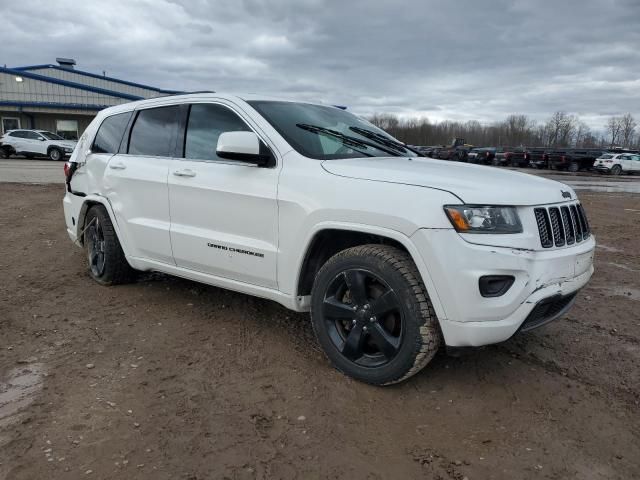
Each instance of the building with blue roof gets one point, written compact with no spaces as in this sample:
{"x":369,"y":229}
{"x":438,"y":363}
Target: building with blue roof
{"x":61,"y":99}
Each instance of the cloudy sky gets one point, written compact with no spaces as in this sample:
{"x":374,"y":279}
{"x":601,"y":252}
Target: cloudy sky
{"x":455,"y":59}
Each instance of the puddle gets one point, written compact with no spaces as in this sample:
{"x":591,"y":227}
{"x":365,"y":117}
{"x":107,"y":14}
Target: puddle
{"x":627,"y":292}
{"x":608,"y":187}
{"x":623,"y":267}
{"x":18,"y":390}
{"x":607,"y":248}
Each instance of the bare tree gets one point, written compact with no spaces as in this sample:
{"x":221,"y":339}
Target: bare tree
{"x":614,"y":128}
{"x":627,"y":129}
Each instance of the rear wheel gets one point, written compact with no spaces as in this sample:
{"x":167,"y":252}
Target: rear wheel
{"x":573,"y":167}
{"x":616,"y":170}
{"x":6,"y":152}
{"x":107,"y":263}
{"x":372,"y":315}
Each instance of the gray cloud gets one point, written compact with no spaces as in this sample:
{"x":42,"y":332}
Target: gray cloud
{"x":441,"y":59}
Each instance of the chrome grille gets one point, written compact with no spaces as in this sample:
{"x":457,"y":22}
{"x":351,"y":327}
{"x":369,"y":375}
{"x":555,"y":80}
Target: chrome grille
{"x":561,"y":226}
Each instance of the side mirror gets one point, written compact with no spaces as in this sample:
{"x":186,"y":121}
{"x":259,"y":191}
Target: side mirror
{"x":244,"y":146}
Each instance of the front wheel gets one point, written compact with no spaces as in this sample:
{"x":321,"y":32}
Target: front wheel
{"x":372,"y":315}
{"x":616,"y":170}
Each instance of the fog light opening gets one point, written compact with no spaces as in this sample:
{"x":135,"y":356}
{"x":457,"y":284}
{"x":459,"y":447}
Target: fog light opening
{"x":495,"y":285}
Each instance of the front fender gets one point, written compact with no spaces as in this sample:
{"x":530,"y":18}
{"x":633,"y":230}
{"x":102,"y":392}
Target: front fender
{"x":401,"y":238}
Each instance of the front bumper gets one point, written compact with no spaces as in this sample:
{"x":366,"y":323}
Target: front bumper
{"x":455,"y":266}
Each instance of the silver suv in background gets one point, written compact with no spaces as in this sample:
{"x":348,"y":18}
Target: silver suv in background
{"x":35,"y":143}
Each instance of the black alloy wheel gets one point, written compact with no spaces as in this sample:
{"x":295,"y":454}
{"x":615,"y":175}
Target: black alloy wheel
{"x":363,"y":318}
{"x":95,"y":247}
{"x":372,"y":315}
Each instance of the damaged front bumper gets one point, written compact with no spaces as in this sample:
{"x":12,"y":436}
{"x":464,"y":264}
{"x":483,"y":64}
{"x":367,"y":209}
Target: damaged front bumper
{"x":550,"y":277}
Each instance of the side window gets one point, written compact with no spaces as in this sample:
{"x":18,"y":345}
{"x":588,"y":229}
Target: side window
{"x":110,"y":133}
{"x":206,"y":123}
{"x":153,"y":132}
{"x":17,"y":134}
{"x":31,"y":135}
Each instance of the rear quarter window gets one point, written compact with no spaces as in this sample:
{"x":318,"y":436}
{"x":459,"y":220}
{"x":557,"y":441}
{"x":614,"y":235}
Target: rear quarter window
{"x":110,"y":133}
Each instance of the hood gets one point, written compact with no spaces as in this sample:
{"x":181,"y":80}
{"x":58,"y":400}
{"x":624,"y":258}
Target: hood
{"x":473,"y":184}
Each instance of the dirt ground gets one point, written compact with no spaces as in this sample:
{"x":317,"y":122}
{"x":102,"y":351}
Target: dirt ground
{"x":170,"y":379}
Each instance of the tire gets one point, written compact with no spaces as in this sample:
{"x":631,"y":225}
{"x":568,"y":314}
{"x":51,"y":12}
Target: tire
{"x":573,"y":167}
{"x":6,"y":152}
{"x":106,"y":261}
{"x":55,"y":154}
{"x":495,"y":162}
{"x":616,"y":170}
{"x":383,"y":332}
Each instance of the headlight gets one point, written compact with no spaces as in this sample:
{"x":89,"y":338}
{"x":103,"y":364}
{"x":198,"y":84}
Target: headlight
{"x":483,"y":219}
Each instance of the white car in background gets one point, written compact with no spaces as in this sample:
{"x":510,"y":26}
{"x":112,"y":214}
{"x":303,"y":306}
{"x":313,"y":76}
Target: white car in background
{"x":35,"y":143}
{"x":617,"y":163}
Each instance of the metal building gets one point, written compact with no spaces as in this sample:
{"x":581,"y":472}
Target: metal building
{"x":61,"y":99}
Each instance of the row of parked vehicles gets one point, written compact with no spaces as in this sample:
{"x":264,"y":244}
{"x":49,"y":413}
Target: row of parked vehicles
{"x":614,"y":161}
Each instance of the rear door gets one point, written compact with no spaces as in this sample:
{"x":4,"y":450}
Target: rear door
{"x":625,"y":162}
{"x":634,"y":163}
{"x":223,"y":212}
{"x":33,"y":142}
{"x":135,"y":183}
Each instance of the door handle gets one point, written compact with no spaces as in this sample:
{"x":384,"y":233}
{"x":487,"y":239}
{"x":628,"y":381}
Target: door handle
{"x":184,"y":173}
{"x":117,"y":166}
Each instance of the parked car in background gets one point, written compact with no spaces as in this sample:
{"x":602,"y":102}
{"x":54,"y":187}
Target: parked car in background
{"x":618,"y":163}
{"x":510,"y":156}
{"x":34,"y":143}
{"x":537,"y":157}
{"x":483,"y":155}
{"x":457,"y":150}
{"x":573,"y":159}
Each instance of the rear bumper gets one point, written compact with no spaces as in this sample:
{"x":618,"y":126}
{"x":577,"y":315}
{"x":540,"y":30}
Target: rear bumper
{"x":468,"y":318}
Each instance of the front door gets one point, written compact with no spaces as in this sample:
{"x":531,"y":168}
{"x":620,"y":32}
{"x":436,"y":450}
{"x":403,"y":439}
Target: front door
{"x":136,"y":183}
{"x":223,"y":212}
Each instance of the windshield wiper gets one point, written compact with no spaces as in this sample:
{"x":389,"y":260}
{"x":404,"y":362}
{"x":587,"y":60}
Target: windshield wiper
{"x":346,"y":139}
{"x":378,"y":137}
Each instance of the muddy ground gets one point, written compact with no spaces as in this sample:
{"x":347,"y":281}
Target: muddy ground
{"x":170,"y":379}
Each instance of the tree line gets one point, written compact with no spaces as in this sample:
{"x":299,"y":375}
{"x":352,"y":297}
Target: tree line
{"x":560,"y":130}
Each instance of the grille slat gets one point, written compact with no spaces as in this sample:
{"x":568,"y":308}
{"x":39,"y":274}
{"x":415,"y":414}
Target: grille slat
{"x":542,"y":219}
{"x":562,"y":226}
{"x":570,"y":233}
{"x":583,"y":220}
{"x":556,"y":227}
{"x":576,"y":223}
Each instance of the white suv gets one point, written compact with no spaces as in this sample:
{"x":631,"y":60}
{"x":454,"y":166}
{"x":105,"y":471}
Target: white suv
{"x":618,"y":163}
{"x":32,"y":143}
{"x":313,"y":207}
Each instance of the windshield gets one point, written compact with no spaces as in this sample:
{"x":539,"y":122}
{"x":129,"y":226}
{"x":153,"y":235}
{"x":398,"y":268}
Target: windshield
{"x":607,"y":156}
{"x":50,"y":136}
{"x":327,"y":133}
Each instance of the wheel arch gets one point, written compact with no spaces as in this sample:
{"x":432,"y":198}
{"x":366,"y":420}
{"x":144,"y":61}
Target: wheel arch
{"x":328,"y":239}
{"x":90,"y":201}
